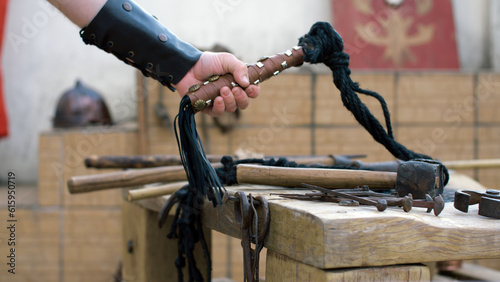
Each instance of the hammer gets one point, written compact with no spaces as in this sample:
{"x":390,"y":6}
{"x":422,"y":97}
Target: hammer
{"x":415,"y":177}
{"x":412,"y":177}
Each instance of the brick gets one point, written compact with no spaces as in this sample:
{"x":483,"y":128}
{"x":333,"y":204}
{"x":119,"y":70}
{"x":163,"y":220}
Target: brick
{"x":349,"y":140}
{"x":79,"y":145}
{"x":50,"y":164}
{"x":487,"y":88}
{"x":286,"y":93}
{"x":37,"y":246}
{"x":273,"y":140}
{"x":435,"y":98}
{"x":92,"y":244}
{"x":162,"y":141}
{"x":489,"y":148}
{"x":439,"y":142}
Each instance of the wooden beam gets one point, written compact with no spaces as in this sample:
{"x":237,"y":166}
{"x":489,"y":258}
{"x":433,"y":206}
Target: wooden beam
{"x":147,"y":254}
{"x":142,"y":115}
{"x":292,"y":270}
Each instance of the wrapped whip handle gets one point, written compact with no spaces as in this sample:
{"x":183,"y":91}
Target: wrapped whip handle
{"x":264,"y":68}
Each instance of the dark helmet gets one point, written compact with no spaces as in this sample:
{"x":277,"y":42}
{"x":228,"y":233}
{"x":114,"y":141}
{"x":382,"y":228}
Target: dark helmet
{"x":81,"y":106}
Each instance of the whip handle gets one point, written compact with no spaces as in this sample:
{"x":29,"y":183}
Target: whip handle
{"x":263,"y":69}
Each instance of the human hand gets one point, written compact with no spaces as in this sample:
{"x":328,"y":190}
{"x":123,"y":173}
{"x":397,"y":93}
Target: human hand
{"x":221,"y":63}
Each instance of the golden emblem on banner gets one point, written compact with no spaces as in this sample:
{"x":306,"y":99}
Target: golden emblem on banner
{"x":390,"y":29}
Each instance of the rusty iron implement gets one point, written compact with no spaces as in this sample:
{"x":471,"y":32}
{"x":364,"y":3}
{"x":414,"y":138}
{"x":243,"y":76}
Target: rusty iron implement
{"x":489,"y":202}
{"x":245,"y":210}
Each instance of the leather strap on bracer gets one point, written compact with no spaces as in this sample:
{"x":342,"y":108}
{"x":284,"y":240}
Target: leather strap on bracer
{"x":136,"y":37}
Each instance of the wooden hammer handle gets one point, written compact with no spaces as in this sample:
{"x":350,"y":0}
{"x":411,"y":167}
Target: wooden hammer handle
{"x":326,"y":178}
{"x":153,"y":192}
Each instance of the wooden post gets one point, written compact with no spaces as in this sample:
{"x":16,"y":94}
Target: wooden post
{"x":142,"y":120}
{"x":148,"y":255}
{"x":292,"y":270}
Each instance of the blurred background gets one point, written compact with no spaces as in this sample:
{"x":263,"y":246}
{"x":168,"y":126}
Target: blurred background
{"x":43,"y":54}
{"x":435,"y":62}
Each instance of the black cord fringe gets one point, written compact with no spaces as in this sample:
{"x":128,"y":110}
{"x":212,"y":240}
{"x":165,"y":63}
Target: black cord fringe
{"x":203,"y":181}
{"x":200,"y":174}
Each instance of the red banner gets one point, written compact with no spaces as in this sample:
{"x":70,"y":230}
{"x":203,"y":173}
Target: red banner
{"x":397,"y":34}
{"x":4,"y":130}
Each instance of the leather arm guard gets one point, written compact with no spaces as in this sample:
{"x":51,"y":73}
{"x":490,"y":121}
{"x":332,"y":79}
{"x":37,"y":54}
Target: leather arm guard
{"x":136,"y":37}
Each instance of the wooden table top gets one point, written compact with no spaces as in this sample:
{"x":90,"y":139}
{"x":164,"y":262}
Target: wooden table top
{"x":327,"y":235}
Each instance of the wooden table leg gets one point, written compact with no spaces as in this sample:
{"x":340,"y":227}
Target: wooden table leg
{"x":148,"y":255}
{"x":283,"y":268}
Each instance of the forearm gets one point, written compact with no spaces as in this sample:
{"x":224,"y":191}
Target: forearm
{"x":81,"y":12}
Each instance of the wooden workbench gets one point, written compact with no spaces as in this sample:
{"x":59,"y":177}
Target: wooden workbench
{"x":312,"y":241}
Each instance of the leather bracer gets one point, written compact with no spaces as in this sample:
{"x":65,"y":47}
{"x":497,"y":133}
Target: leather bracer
{"x":136,"y":37}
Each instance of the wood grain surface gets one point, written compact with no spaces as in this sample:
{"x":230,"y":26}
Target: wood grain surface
{"x":326,"y":235}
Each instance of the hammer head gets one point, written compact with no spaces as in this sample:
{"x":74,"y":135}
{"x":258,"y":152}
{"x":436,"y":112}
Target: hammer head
{"x":420,"y":178}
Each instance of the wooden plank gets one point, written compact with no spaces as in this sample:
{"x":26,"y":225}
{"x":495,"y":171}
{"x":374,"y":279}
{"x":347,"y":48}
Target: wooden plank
{"x":227,"y":258}
{"x":326,"y":235}
{"x":446,"y":143}
{"x":292,"y":270}
{"x":215,"y":142}
{"x":171,"y":101}
{"x":99,"y":142}
{"x":50,"y":172}
{"x":142,"y":110}
{"x":153,"y":255}
{"x":37,"y":246}
{"x":275,"y":139}
{"x":487,"y":147}
{"x":488,"y":101}
{"x":288,"y":94}
{"x":91,"y":242}
{"x":350,"y":140}
{"x":162,"y":141}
